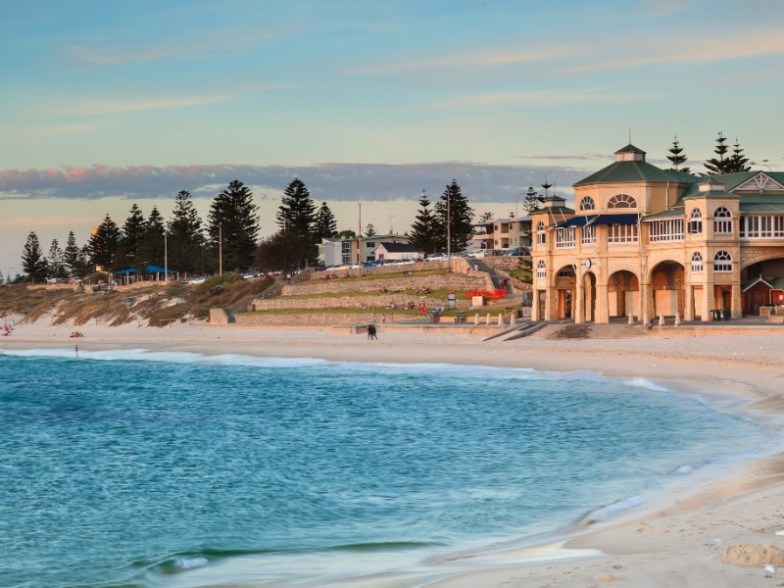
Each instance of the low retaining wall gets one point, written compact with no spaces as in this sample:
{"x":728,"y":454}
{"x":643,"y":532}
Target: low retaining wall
{"x":450,"y":281}
{"x":358,"y":302}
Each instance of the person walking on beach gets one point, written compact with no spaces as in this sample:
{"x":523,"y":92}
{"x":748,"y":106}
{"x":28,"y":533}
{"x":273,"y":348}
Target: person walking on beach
{"x":372,"y":332}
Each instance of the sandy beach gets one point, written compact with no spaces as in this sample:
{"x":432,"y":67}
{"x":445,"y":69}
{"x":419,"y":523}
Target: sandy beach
{"x":683,"y":539}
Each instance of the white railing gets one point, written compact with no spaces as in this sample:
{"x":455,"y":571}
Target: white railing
{"x":666,"y":230}
{"x":762,"y":227}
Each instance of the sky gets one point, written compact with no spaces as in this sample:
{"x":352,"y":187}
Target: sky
{"x":368,"y":102}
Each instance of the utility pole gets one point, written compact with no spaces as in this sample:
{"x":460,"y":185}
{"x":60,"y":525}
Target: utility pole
{"x":220,"y":250}
{"x":165,"y":258}
{"x":449,"y":225}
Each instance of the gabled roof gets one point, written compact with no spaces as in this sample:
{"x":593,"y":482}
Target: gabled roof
{"x":711,"y":195}
{"x":399,"y":247}
{"x":634,"y":171}
{"x":772,"y":283}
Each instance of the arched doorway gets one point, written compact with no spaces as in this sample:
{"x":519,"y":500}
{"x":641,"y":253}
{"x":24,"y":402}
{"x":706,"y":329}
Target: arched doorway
{"x":565,"y":282}
{"x":667,"y":287}
{"x":762,"y":284}
{"x":623,"y":294}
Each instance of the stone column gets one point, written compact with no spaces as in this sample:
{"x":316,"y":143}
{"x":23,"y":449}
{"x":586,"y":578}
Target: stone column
{"x":707,"y":299}
{"x":602,"y":306}
{"x":646,"y":302}
{"x":535,"y":306}
{"x":737,"y":309}
{"x":688,"y":305}
{"x":578,"y":304}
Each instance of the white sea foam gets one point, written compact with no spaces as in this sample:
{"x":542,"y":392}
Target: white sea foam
{"x":190,"y":563}
{"x":611,"y":510}
{"x":182,"y":357}
{"x":645,"y":383}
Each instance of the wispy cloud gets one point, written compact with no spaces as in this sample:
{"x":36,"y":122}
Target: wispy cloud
{"x":470,"y":60}
{"x":522,"y":97}
{"x":670,"y":7}
{"x":59,"y":130}
{"x":714,"y":47}
{"x":112,"y":53}
{"x":139,"y":104}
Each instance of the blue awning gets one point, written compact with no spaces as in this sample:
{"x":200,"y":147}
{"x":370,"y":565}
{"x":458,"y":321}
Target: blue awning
{"x":577,"y":221}
{"x":156,"y":269}
{"x":616,"y":219}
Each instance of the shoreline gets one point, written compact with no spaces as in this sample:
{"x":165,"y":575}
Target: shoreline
{"x":671,"y":543}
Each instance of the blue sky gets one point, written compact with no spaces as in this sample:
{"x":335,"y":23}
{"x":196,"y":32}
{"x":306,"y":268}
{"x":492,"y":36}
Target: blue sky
{"x":104,"y":104}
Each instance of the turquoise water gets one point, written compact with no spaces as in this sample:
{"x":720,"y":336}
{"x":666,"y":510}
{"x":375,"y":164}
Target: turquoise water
{"x":126,"y":468}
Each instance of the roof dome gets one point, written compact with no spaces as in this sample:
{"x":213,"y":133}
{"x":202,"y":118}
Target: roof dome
{"x":630,"y":153}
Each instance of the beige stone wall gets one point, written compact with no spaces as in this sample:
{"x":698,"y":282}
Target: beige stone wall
{"x":326,"y":318}
{"x":219,"y":316}
{"x":451,"y":281}
{"x":359,"y":302}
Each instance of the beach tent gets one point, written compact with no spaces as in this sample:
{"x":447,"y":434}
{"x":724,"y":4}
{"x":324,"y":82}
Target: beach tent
{"x":156,"y":269}
{"x":148,"y":269}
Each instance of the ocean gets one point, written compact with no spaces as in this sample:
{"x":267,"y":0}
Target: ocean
{"x":174,"y":470}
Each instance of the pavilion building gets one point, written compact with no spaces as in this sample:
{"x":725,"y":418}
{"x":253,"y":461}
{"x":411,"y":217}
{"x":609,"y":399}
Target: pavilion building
{"x":644,"y":242}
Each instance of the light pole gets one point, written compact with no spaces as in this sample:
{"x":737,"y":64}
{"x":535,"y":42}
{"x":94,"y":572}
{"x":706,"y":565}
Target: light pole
{"x":220,"y":250}
{"x":165,"y":259}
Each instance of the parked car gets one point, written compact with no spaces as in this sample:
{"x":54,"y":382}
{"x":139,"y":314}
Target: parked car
{"x":485,"y":253}
{"x":517,"y":251}
{"x":436,"y":257}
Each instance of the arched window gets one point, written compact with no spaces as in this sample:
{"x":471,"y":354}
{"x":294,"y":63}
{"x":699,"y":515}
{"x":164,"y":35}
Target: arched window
{"x":541,"y":233}
{"x":541,"y":269}
{"x":695,"y":221}
{"x":586,"y":203}
{"x":696,"y":262}
{"x":722,"y":262}
{"x":622,"y":201}
{"x":722,"y":221}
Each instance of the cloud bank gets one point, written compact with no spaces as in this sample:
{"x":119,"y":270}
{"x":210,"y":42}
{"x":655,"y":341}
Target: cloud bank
{"x":328,"y":182}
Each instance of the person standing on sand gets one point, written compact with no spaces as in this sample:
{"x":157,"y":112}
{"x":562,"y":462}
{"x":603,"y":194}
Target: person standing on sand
{"x":372,"y":333}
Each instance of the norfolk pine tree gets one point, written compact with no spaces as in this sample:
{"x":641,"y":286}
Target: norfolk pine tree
{"x":296,"y":217}
{"x":104,"y":243}
{"x":33,"y":260}
{"x":131,"y":240}
{"x":325,"y":226}
{"x":424,"y":232}
{"x":453,"y":209}
{"x":186,"y":242}
{"x":233,"y":218}
{"x":718,"y":165}
{"x":677,"y":157}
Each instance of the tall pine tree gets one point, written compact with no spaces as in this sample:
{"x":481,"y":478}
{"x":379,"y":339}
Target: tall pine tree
{"x":131,"y":240}
{"x":454,"y":217}
{"x":152,"y":246}
{"x":324,"y":226}
{"x":737,"y":161}
{"x":296,"y":217}
{"x":56,"y":261}
{"x":186,"y":241}
{"x":532,"y":201}
{"x":425,"y":230}
{"x":233,"y":227}
{"x":718,"y":165}
{"x":104,"y":244}
{"x":71,"y":256}
{"x":677,"y":157}
{"x":33,"y":260}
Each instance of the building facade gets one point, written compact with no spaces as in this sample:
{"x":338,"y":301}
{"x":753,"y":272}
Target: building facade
{"x":353,"y":250}
{"x":643,"y":242}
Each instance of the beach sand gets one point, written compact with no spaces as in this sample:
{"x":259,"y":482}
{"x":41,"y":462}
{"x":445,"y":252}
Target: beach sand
{"x":678,"y":541}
